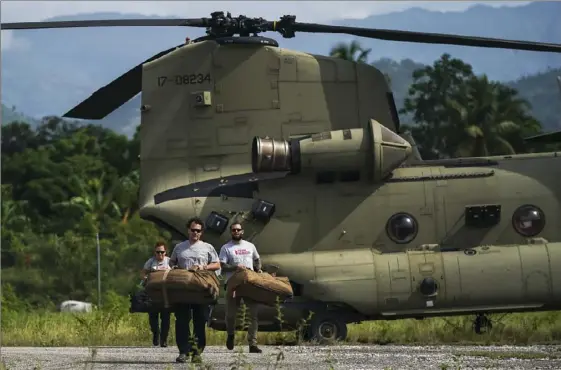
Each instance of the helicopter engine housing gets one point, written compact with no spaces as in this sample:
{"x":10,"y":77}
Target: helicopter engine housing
{"x":375,"y":147}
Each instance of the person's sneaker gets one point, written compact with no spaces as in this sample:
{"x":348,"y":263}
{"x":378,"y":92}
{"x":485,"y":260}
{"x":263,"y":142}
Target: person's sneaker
{"x":255,"y":349}
{"x":230,"y":341}
{"x":155,"y":340}
{"x":181,"y":358}
{"x":196,"y":359}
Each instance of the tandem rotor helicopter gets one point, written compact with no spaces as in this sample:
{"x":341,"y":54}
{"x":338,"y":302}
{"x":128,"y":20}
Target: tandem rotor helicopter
{"x":306,"y":151}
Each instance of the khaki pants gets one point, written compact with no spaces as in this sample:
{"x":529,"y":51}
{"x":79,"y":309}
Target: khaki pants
{"x":252,"y":310}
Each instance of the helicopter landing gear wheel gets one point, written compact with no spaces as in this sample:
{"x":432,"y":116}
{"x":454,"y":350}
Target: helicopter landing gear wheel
{"x":324,"y":329}
{"x":482,"y":324}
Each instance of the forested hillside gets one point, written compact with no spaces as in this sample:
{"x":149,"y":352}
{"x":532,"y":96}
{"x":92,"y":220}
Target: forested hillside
{"x":540,"y":90}
{"x":544,"y":94}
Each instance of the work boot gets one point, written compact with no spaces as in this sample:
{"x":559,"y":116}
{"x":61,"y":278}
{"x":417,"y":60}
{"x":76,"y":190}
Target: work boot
{"x":254,"y":349}
{"x":230,"y":341}
{"x":155,"y":340}
{"x":181,"y":358}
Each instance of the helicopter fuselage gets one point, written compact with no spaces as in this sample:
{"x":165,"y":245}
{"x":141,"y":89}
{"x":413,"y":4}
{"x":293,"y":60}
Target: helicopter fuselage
{"x":364,"y":228}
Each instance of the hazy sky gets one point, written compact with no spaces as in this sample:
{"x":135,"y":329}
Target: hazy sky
{"x":310,"y":11}
{"x":305,"y":11}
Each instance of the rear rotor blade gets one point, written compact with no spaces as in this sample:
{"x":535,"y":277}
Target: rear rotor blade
{"x":103,"y":23}
{"x":113,"y":95}
{"x":428,"y":38}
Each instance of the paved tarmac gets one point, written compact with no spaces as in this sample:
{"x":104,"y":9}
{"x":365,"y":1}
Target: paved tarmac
{"x":297,"y":357}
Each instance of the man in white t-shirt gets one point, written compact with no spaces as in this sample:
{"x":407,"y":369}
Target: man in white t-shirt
{"x":158,"y":262}
{"x":236,"y":255}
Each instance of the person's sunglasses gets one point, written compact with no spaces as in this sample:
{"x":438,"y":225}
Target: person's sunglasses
{"x":196,"y":230}
{"x":236,"y":230}
{"x":161,"y":252}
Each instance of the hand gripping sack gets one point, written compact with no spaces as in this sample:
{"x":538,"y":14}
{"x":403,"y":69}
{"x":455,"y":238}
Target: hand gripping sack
{"x":259,"y":287}
{"x":175,"y":286}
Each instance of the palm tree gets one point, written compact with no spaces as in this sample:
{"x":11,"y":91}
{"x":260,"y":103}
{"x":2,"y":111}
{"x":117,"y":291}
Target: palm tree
{"x":93,"y":198}
{"x":349,"y":52}
{"x":482,"y":118}
{"x":355,"y":53}
{"x":129,"y":194}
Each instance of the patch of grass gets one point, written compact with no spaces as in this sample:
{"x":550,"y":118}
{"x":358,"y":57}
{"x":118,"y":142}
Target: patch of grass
{"x":520,"y":355}
{"x":513,"y":329}
{"x":116,"y":327}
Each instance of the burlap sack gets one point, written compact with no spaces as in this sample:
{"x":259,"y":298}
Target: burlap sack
{"x":171,"y":287}
{"x":259,"y":287}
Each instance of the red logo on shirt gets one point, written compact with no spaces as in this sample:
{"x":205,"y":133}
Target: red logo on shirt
{"x":239,"y":252}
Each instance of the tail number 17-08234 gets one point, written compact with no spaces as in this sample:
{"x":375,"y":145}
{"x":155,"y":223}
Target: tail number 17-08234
{"x":189,"y":79}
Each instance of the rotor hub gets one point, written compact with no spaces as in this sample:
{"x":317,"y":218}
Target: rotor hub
{"x":224,"y":25}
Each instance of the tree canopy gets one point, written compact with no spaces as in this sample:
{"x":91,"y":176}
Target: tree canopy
{"x":456,"y":113}
{"x":63,"y":183}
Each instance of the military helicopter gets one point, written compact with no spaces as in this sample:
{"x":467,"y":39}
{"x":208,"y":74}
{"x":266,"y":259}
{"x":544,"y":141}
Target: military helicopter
{"x":306,"y":151}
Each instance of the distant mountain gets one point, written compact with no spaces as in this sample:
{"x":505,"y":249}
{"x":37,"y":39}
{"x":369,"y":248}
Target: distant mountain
{"x":542,"y":91}
{"x":47,"y":72}
{"x":537,"y":21}
{"x":11,"y":114}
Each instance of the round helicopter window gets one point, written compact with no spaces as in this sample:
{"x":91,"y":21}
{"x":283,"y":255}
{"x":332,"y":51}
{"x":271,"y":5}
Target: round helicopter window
{"x":528,"y":220}
{"x":402,"y":228}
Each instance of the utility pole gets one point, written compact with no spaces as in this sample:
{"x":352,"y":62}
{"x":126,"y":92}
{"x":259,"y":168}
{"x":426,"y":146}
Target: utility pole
{"x":98,"y":271}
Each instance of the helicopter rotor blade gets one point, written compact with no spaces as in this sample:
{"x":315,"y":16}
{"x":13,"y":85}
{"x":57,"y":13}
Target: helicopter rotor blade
{"x":548,"y":138}
{"x":103,"y":23}
{"x":220,"y":25}
{"x":124,"y":88}
{"x":427,"y":38}
{"x":113,"y":95}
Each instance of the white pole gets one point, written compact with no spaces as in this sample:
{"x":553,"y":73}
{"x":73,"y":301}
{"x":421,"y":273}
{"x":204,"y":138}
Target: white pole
{"x":98,"y":271}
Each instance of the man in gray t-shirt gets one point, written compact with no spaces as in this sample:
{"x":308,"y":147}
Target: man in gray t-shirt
{"x":236,"y":255}
{"x":194,"y":255}
{"x":198,"y":255}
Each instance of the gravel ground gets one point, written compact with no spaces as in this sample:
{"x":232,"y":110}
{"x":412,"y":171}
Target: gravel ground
{"x":307,"y":357}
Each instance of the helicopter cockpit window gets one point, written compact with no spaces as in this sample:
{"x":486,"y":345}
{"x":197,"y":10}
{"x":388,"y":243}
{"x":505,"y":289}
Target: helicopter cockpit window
{"x":402,"y":228}
{"x":528,"y":220}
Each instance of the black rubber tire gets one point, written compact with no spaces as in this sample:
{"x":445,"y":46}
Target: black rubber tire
{"x":327,"y":328}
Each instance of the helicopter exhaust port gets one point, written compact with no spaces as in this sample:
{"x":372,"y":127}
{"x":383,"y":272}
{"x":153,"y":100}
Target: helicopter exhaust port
{"x":376,"y":148}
